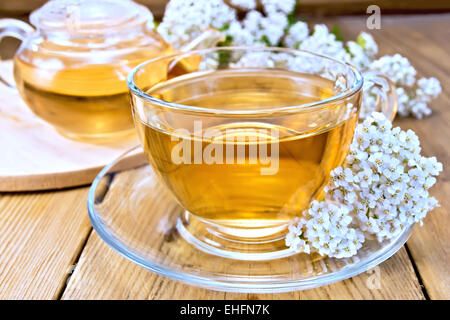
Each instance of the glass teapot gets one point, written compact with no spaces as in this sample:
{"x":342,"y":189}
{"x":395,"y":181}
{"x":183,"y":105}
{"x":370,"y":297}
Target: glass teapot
{"x":71,"y":70}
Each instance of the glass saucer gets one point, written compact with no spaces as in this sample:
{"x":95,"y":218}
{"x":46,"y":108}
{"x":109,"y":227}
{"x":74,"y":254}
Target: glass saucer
{"x":134,"y":213}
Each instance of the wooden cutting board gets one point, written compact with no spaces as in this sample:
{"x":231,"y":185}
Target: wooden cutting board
{"x":33,"y":156}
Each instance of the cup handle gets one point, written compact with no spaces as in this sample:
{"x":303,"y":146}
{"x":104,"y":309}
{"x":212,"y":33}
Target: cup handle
{"x":16,"y":29}
{"x":385,"y":91}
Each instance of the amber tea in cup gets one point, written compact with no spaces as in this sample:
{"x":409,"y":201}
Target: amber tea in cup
{"x":239,"y":192}
{"x":246,"y":140}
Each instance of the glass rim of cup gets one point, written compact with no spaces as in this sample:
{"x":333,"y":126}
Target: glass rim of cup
{"x":307,"y":107}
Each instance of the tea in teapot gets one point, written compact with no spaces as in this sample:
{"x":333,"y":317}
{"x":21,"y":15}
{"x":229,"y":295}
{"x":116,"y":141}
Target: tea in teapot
{"x":71,"y":71}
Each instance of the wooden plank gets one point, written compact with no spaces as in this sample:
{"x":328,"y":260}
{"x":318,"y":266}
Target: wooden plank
{"x":103,"y":274}
{"x":430,"y":245}
{"x":341,"y":7}
{"x":318,"y":7}
{"x":422,"y":40}
{"x":41,"y":235}
{"x":401,"y":281}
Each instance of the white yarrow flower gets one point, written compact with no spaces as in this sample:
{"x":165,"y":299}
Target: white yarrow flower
{"x":429,"y":88}
{"x":395,"y":176}
{"x":382,"y":188}
{"x":244,"y":4}
{"x":397,"y":68}
{"x":327,"y":230}
{"x":185,"y":19}
{"x":380,"y":193}
{"x":297,"y":33}
{"x":323,"y":42}
{"x":273,"y":6}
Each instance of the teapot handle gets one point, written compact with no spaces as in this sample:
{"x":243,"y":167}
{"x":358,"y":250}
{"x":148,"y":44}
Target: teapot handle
{"x":16,"y":29}
{"x":207,"y":39}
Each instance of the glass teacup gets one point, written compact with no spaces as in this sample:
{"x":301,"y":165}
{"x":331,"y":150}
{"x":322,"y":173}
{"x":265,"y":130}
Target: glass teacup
{"x":246,"y":138}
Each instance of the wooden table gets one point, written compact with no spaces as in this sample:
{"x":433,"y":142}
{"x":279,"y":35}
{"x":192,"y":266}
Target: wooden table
{"x":48,"y":249}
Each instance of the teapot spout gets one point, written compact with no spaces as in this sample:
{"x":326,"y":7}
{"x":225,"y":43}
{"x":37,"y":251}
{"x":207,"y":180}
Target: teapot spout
{"x":207,"y":39}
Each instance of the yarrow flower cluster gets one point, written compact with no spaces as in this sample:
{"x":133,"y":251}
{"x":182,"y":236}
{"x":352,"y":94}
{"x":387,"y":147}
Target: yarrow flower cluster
{"x":323,"y":42}
{"x":244,"y":4}
{"x":185,"y":19}
{"x":414,"y":95}
{"x":327,"y":229}
{"x":381,"y":189}
{"x":272,"y":23}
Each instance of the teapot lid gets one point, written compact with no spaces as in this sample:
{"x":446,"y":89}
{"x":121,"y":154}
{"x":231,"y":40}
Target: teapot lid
{"x":90,"y":17}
